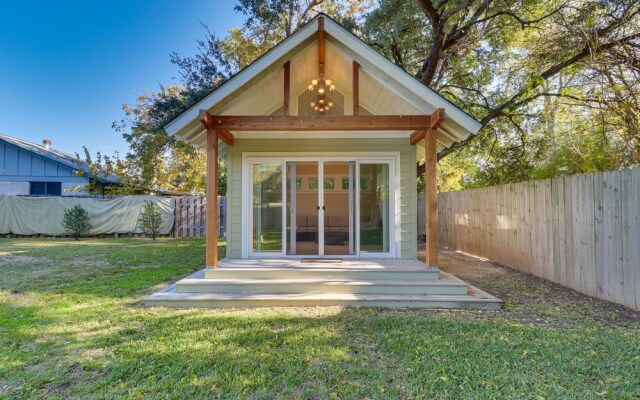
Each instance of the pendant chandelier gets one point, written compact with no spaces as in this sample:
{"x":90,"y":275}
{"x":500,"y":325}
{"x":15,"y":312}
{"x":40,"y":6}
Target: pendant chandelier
{"x":321,"y":86}
{"x":322,"y":104}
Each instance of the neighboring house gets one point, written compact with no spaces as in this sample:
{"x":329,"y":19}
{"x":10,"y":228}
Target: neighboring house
{"x":30,"y":169}
{"x":321,"y":136}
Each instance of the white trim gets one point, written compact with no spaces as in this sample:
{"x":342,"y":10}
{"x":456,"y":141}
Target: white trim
{"x":249,"y":158}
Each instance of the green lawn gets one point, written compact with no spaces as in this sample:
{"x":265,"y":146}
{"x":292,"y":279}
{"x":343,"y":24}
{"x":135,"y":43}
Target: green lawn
{"x":71,"y":326}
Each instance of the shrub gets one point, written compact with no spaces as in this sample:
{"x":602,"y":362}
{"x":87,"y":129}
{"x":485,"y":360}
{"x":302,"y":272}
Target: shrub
{"x":151,"y":219}
{"x":76,"y":221}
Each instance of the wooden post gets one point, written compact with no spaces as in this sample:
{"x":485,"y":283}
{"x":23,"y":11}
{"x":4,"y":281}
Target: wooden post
{"x":321,"y":46}
{"x":212,"y":199}
{"x":356,"y":88}
{"x":287,"y":87}
{"x":431,"y":198}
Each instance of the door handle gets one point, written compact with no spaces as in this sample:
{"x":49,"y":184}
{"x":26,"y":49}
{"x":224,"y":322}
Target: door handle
{"x":320,"y":207}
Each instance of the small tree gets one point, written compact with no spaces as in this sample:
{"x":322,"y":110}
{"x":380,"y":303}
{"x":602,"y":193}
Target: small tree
{"x":76,"y":221}
{"x":151,"y":219}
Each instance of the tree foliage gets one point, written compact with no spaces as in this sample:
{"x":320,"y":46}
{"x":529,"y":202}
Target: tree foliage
{"x":554,"y":83}
{"x":76,"y":222}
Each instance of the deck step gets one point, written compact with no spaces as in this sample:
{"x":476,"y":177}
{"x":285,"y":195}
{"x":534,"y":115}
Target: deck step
{"x":301,"y":286}
{"x":321,"y":273}
{"x":217,"y":300}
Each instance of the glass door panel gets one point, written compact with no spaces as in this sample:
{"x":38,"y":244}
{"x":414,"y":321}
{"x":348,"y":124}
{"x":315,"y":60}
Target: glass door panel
{"x":338,"y":206}
{"x":374,"y":208}
{"x":267,"y":207}
{"x":302,"y":208}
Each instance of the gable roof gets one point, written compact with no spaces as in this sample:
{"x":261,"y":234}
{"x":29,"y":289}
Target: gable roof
{"x":56,"y":156}
{"x":417,"y":97}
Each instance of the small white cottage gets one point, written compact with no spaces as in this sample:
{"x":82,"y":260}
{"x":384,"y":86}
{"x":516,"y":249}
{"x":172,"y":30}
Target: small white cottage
{"x":321,"y":136}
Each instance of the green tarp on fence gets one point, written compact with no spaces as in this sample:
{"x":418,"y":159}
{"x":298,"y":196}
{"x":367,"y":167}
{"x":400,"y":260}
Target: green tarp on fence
{"x":43,"y":215}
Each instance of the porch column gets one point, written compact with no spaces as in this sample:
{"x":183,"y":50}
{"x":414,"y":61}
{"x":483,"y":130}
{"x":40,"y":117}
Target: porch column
{"x":211,"y":259}
{"x":431,"y":198}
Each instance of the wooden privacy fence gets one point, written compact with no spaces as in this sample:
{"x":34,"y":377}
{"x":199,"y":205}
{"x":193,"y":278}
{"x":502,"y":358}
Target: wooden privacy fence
{"x":580,"y":231}
{"x":191,"y":214}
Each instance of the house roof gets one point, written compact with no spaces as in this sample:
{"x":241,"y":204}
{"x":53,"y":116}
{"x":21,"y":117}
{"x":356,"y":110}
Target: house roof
{"x":56,"y":156}
{"x":385,"y":88}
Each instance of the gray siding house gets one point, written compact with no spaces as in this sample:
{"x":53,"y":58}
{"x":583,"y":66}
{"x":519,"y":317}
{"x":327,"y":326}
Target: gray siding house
{"x":39,"y":170}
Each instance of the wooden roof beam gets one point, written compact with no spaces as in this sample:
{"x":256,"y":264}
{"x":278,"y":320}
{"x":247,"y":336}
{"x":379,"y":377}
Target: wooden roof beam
{"x":316,"y":122}
{"x":436,"y":119}
{"x":223,"y":134}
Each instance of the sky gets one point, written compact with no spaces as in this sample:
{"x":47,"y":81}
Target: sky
{"x":66,"y":67}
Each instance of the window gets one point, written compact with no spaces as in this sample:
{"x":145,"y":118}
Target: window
{"x":329,"y":183}
{"x":364,"y":184}
{"x":345,"y":183}
{"x":45,"y":188}
{"x":313,"y":183}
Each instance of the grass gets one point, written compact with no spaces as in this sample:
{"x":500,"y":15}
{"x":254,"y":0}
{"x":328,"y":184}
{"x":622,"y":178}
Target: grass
{"x":71,"y":326}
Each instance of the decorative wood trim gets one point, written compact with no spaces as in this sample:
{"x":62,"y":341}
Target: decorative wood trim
{"x":287,"y":88}
{"x":417,"y":136}
{"x":223,"y":134}
{"x":315,"y":122}
{"x":356,"y":88}
{"x":226,"y":136}
{"x":436,"y":119}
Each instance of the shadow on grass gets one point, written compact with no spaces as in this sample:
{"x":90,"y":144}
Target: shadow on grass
{"x":328,"y":352}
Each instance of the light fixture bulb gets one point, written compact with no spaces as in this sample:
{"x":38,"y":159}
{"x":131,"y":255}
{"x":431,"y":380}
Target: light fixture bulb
{"x":327,"y":82}
{"x":313,"y":104}
{"x":331,"y":104}
{"x":314,"y":82}
{"x":321,"y":90}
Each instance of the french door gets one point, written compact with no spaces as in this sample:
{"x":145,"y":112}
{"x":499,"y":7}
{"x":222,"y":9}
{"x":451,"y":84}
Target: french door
{"x":329,"y":207}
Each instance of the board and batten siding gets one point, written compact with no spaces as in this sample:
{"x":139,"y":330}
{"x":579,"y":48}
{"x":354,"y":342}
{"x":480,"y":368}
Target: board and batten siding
{"x":341,"y":147}
{"x":581,"y":231}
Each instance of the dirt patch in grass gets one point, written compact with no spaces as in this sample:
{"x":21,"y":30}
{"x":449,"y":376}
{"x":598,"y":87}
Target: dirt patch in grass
{"x":20,"y":259}
{"x":530,"y":299}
